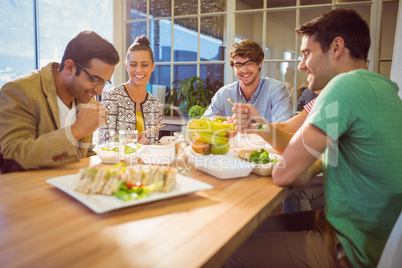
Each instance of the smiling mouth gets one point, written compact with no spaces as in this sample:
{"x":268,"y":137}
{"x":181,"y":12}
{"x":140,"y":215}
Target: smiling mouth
{"x":309,"y":75}
{"x":138,"y":76}
{"x":246,"y":76}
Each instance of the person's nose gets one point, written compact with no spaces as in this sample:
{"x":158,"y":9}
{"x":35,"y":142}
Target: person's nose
{"x":302,"y":65}
{"x":244,"y":68}
{"x":138,"y":69}
{"x":99,"y":89}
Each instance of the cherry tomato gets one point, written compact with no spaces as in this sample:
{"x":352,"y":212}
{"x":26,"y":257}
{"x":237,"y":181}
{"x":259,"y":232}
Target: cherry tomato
{"x":129,"y":185}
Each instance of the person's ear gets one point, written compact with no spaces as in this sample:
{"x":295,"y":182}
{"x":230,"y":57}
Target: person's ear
{"x":337,"y":47}
{"x":69,"y":67}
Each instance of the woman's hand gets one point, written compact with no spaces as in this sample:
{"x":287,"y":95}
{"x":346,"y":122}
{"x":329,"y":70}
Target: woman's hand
{"x":142,"y":139}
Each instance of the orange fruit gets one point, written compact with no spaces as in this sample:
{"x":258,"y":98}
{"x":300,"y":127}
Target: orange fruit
{"x":200,"y":147}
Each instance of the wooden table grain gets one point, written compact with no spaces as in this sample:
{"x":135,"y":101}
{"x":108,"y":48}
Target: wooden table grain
{"x":41,"y":226}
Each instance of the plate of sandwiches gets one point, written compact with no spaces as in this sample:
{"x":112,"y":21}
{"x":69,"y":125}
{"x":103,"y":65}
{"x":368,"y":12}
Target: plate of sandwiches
{"x":100,"y":188}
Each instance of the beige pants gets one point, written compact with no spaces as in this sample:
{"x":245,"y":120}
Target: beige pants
{"x":302,"y":239}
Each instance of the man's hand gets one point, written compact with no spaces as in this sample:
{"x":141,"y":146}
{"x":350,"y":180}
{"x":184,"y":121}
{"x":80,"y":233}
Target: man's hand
{"x":89,"y":118}
{"x":243,"y":114}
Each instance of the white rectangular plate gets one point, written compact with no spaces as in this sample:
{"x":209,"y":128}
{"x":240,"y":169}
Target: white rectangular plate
{"x":223,"y":166}
{"x":157,"y":154}
{"x":101,"y":203}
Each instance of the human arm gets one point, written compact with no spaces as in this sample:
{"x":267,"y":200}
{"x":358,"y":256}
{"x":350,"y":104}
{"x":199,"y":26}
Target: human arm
{"x":219,"y":105}
{"x":277,"y":135}
{"x":89,"y":117}
{"x":293,"y":124}
{"x":152,"y":118}
{"x":29,"y":136}
{"x":301,"y":159}
{"x":108,"y":131}
{"x":214,"y":108}
{"x":281,"y":106}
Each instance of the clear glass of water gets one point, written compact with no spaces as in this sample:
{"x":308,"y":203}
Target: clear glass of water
{"x":182,"y":161}
{"x":128,"y":146}
{"x":112,"y":138}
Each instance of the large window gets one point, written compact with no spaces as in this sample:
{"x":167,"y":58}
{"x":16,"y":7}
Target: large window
{"x":187,"y":37}
{"x":193,"y":37}
{"x":36,"y":32}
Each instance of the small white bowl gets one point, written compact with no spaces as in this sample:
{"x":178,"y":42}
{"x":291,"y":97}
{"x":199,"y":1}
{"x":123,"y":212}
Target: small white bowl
{"x":107,"y":157}
{"x":263,"y":170}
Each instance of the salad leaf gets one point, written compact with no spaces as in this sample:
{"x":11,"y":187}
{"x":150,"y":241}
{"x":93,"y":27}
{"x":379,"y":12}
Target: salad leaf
{"x":115,"y":149}
{"x":135,"y":191}
{"x":129,"y":149}
{"x":261,"y":157}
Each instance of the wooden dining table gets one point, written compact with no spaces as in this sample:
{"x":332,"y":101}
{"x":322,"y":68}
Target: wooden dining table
{"x":41,"y":226}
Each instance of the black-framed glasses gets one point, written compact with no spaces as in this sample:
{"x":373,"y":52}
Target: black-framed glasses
{"x":96,"y":81}
{"x":249,"y":64}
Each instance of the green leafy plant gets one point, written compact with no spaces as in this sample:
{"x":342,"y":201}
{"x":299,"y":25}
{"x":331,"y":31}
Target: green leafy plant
{"x":196,"y":111}
{"x":190,"y":92}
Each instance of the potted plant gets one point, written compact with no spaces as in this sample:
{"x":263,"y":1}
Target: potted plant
{"x":190,"y":92}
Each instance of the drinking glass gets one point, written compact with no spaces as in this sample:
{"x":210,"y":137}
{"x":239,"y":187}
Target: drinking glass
{"x":128,"y":146}
{"x":182,"y":161}
{"x":238,"y":141}
{"x":112,"y":138}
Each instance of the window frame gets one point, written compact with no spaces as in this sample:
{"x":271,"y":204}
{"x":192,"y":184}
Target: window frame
{"x":121,"y":33}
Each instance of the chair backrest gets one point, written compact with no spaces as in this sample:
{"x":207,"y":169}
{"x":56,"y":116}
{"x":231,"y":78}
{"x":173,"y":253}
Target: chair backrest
{"x":392,"y":254}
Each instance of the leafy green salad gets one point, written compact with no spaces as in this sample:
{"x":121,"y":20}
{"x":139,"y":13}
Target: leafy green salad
{"x":127,"y":149}
{"x":261,"y":157}
{"x":128,"y":191}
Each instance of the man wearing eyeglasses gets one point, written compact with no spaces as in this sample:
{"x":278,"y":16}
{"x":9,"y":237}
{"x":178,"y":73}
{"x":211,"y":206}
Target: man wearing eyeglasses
{"x":48,"y":116}
{"x":269,"y":96}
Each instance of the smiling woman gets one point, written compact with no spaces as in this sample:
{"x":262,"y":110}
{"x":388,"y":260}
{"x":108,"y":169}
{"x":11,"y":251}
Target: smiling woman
{"x":130,"y":105}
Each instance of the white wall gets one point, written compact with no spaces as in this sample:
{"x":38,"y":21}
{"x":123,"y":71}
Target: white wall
{"x":396,"y":69}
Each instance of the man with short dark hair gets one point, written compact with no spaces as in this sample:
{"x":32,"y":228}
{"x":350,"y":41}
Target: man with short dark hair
{"x":269,"y":96}
{"x":356,"y":126}
{"x":45,"y":117}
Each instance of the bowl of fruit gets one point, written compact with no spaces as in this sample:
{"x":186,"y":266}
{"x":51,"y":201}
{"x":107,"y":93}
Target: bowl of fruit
{"x":209,"y":136}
